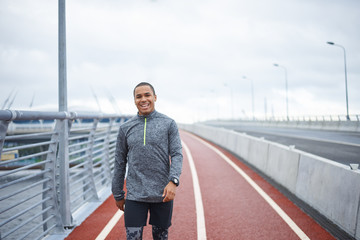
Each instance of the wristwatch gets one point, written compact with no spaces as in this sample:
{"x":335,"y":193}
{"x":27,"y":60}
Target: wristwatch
{"x":175,"y":181}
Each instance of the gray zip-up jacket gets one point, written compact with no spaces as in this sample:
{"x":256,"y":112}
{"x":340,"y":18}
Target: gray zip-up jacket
{"x":151,"y":147}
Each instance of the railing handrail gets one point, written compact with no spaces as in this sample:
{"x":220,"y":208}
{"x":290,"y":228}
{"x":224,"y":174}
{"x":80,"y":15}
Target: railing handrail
{"x":9,"y":115}
{"x":304,"y":118}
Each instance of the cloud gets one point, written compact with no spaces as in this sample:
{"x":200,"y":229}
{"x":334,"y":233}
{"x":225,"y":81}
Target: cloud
{"x":194,"y":52}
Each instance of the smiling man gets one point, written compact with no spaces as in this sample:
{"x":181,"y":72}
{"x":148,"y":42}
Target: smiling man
{"x":150,"y":145}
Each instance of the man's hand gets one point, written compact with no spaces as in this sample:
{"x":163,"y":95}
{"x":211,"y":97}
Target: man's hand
{"x":169,"y":192}
{"x":120,"y":204}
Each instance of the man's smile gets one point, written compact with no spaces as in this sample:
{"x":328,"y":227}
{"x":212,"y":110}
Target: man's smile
{"x":145,"y":105}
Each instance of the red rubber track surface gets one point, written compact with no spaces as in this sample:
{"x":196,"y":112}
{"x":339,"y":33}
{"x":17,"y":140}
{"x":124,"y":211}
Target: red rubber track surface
{"x":232,"y":208}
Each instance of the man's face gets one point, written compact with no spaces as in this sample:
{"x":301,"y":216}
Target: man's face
{"x":144,"y":100}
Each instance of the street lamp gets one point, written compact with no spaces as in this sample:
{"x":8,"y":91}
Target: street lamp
{"x":252,"y":96}
{"x":231,"y":100}
{"x":63,"y":154}
{"x":346,"y":88}
{"x":63,"y":106}
{"x":286,"y":88}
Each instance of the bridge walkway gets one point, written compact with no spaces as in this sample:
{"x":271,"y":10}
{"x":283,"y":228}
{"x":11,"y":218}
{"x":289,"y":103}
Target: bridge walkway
{"x":219,"y":197}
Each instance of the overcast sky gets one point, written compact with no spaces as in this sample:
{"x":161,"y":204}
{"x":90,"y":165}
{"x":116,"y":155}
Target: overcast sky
{"x":195,"y":53}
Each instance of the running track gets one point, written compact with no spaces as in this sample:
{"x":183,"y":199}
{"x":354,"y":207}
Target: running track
{"x":230,"y":201}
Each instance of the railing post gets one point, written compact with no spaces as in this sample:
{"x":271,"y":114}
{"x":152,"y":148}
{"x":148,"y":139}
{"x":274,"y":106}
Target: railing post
{"x":89,"y":163}
{"x":53,"y":183}
{"x":63,"y":160}
{"x":106,"y":163}
{"x":3,"y":128}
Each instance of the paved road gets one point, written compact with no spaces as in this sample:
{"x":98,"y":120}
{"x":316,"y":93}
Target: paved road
{"x":342,"y":147}
{"x":218,"y":198}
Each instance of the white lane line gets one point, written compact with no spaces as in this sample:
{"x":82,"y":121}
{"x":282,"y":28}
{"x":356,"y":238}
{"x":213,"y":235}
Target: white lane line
{"x":200,"y":218}
{"x":111,"y":224}
{"x":267,"y":198}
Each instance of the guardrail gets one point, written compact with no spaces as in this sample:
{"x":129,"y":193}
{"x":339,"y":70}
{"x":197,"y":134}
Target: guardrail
{"x":328,"y":122}
{"x":48,"y":175}
{"x":330,"y":188}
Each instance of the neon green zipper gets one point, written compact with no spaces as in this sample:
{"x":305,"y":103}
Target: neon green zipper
{"x":145,"y":132}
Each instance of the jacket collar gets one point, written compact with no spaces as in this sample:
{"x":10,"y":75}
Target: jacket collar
{"x":150,"y":115}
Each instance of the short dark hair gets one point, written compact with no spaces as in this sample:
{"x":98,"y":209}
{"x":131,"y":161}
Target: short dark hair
{"x":145,"y":84}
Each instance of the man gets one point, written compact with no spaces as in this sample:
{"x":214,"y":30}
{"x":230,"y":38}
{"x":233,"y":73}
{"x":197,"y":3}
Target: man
{"x":150,"y":145}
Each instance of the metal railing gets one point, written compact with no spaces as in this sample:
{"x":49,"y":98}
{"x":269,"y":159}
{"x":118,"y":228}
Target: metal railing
{"x":313,"y":118}
{"x":48,"y":173}
{"x":325,"y":122}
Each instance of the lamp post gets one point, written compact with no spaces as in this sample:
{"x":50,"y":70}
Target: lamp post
{"x":62,"y":58}
{"x":252,"y":96}
{"x":286,"y":88}
{"x":217,"y":103}
{"x":231,"y":100}
{"x":63,"y":154}
{"x":346,"y":88}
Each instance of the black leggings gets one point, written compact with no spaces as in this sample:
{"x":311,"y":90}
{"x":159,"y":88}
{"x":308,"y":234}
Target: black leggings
{"x":135,"y":233}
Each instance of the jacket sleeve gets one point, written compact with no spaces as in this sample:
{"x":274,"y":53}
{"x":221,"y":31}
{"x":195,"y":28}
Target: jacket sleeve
{"x":119,"y":166}
{"x":175,"y":151}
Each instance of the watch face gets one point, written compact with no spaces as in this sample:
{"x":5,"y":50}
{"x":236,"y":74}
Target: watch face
{"x":175,"y":181}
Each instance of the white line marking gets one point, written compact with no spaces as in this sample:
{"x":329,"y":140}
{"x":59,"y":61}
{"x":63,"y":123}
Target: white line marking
{"x":200,"y":218}
{"x":267,"y":198}
{"x":107,"y":229}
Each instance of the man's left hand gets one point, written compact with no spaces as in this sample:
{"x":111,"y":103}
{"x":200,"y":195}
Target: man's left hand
{"x":169,"y":192}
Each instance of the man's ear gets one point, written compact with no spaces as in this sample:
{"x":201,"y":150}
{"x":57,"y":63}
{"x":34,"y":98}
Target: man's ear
{"x":155,"y":97}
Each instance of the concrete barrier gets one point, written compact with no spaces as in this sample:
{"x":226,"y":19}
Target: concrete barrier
{"x":242,"y":147}
{"x":357,"y":232}
{"x":283,"y":165}
{"x":258,"y":152}
{"x":331,"y":188}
